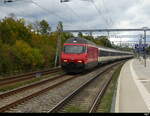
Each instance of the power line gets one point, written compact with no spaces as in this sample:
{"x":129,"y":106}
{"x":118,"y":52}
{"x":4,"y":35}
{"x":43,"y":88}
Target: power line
{"x":48,"y":11}
{"x":4,"y":5}
{"x":99,"y":12}
{"x":76,"y":14}
{"x":7,"y":7}
{"x":110,"y":19}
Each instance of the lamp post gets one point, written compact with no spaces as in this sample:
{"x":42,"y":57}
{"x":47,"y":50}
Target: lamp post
{"x":140,"y":43}
{"x":59,"y":42}
{"x":144,"y":29}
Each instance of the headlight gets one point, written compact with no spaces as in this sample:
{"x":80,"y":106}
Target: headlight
{"x":80,"y":61}
{"x":65,"y":60}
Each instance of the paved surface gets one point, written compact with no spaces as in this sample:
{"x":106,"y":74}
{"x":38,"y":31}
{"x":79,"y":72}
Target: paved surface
{"x":133,"y":90}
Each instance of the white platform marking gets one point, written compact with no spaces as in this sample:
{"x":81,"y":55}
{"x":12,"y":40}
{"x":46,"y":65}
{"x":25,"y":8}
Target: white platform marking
{"x":144,"y":93}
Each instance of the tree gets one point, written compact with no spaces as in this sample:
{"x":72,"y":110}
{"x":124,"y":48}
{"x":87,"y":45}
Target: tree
{"x":148,"y":50}
{"x":103,"y":41}
{"x":12,"y":30}
{"x":42,"y":27}
{"x":65,"y":36}
{"x":80,"y":34}
{"x":25,"y":56}
{"x":22,"y":48}
{"x":91,"y":38}
{"x":6,"y":61}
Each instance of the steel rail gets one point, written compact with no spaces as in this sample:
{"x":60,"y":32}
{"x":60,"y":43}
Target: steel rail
{"x":28,"y":76}
{"x":7,"y":107}
{"x":99,"y":96}
{"x":76,"y":91}
{"x":6,"y":94}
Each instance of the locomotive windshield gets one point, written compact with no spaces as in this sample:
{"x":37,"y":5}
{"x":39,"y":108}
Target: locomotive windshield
{"x":74,"y":49}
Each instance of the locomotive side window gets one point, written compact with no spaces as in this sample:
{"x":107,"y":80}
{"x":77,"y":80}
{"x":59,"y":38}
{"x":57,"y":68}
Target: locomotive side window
{"x":74,"y":49}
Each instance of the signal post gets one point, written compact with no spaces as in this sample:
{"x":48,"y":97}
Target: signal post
{"x":58,"y":49}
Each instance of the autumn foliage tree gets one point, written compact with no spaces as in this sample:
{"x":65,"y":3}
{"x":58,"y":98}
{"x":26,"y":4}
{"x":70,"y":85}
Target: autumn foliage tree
{"x":42,"y":27}
{"x":24,"y":47}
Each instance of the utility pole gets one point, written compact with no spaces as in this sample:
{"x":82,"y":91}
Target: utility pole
{"x":107,"y":38}
{"x":90,"y":33}
{"x":139,"y":47}
{"x":144,"y":47}
{"x":58,"y":49}
{"x":145,"y":29}
{"x":120,"y":42}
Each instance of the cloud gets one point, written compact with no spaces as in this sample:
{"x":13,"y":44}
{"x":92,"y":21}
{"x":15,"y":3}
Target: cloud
{"x":83,"y":14}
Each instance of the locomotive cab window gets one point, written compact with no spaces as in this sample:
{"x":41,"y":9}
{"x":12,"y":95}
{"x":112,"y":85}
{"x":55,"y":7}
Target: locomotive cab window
{"x":74,"y":49}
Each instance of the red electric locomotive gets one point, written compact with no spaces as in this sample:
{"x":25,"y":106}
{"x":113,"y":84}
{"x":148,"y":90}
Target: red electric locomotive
{"x":79,"y":54}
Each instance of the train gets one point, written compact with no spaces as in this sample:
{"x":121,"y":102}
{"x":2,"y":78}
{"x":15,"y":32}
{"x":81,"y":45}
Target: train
{"x":80,"y":54}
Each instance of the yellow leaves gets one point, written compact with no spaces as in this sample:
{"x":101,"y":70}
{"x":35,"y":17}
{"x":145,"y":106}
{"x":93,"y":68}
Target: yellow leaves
{"x":24,"y":48}
{"x":26,"y":54}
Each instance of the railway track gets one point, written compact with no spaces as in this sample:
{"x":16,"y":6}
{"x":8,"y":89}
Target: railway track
{"x":18,"y":96}
{"x":28,"y":76}
{"x":52,"y":92}
{"x":87,"y":97}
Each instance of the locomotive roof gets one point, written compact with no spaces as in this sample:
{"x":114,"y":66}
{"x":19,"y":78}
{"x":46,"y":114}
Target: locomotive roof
{"x":79,"y":40}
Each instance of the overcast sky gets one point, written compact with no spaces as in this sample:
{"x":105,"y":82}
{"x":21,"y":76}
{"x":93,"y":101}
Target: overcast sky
{"x":78,"y":14}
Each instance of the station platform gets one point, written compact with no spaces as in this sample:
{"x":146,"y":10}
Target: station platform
{"x":133,"y":89}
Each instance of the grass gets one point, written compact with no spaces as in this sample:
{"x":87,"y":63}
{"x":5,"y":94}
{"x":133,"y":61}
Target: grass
{"x":22,"y":83}
{"x":106,"y":101}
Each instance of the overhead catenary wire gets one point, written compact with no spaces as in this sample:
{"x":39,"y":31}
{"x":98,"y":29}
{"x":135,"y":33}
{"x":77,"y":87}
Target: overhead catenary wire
{"x":106,"y":9}
{"x":15,"y":16}
{"x":110,"y":19}
{"x":108,"y":22}
{"x":10,"y":10}
{"x":99,"y":12}
{"x":5,"y":5}
{"x":85,"y":24}
{"x":47,"y":10}
{"x":43,"y":8}
{"x":52,"y":13}
{"x":60,"y":18}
